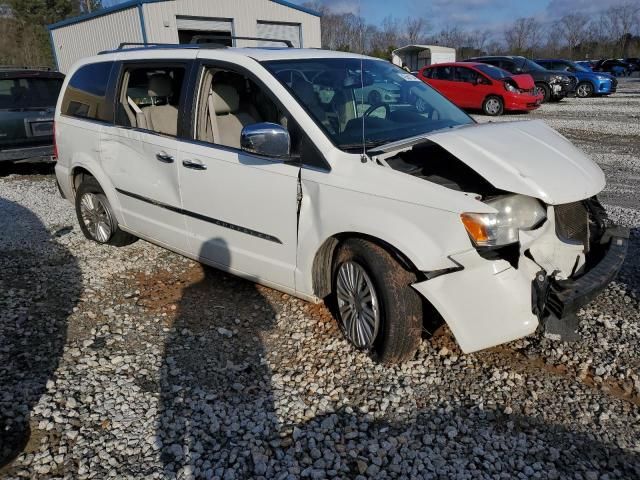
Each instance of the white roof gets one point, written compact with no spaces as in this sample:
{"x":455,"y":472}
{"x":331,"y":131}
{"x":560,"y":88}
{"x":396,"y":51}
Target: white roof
{"x":433,"y":48}
{"x":262,"y":54}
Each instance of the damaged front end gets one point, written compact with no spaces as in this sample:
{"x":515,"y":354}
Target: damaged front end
{"x":547,"y":249}
{"x":556,"y":297}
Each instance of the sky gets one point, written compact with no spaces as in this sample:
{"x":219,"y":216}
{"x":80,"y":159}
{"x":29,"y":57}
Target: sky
{"x":469,"y":14}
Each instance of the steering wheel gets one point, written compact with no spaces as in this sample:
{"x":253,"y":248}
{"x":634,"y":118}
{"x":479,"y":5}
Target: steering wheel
{"x":373,"y":108}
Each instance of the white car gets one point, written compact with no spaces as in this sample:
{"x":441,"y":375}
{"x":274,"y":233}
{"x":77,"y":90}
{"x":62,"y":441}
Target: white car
{"x":236,"y":158}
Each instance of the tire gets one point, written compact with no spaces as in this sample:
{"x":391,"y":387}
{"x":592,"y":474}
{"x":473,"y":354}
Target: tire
{"x":584,"y":90}
{"x":374,"y":97}
{"x":546,"y":91}
{"x":95,"y":216}
{"x":397,"y":335}
{"x":493,"y":106}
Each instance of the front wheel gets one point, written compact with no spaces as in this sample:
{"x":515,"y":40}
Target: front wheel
{"x":584,"y":90}
{"x":95,"y":216}
{"x":493,"y":106}
{"x":542,"y":88}
{"x":377,"y":309}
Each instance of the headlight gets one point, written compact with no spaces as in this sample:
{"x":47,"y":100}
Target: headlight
{"x":515,"y":213}
{"x":560,"y":79}
{"x":510,"y":87}
{"x":603,"y":79}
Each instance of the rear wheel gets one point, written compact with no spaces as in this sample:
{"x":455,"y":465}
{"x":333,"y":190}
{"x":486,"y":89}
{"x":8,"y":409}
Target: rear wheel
{"x":377,"y":309}
{"x":493,"y":106}
{"x":95,"y":215}
{"x":544,"y":89}
{"x":584,"y":90}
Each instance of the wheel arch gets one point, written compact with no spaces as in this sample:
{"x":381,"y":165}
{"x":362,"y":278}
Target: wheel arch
{"x":322,"y":267}
{"x":79,"y":171}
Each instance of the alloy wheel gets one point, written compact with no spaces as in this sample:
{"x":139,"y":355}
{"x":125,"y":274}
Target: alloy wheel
{"x":95,"y":217}
{"x":583,"y":90}
{"x":358,"y":305}
{"x":492,"y":106}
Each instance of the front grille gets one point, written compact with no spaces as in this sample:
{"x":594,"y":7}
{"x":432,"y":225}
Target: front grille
{"x":572,"y":223}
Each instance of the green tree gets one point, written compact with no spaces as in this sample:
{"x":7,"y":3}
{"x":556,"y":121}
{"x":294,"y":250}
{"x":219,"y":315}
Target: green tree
{"x":26,"y":41}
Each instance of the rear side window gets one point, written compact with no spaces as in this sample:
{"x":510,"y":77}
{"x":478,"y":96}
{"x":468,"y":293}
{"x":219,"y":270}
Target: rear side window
{"x":86,"y":93}
{"x":29,"y":92}
{"x":443,"y":73}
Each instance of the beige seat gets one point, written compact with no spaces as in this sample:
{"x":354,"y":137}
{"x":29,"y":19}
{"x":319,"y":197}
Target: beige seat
{"x":230,"y":119}
{"x":161,"y":118}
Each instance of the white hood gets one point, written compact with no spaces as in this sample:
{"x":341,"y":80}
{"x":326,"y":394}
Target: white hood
{"x":526,"y":157}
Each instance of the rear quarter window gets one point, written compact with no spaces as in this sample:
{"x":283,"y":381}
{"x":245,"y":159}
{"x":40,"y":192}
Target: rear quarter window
{"x":86,"y":93}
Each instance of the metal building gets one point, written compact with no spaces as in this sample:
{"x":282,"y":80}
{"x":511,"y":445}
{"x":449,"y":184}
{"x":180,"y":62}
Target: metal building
{"x":414,"y":57}
{"x":182,"y":21}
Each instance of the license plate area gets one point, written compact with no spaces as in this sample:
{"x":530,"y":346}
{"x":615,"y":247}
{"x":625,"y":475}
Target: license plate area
{"x":41,"y":129}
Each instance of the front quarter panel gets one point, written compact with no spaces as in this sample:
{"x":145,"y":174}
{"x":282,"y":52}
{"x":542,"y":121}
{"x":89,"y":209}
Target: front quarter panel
{"x":424,"y":234}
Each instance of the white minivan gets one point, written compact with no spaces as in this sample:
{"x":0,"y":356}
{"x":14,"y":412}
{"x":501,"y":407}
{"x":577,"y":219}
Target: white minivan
{"x":270,"y":163}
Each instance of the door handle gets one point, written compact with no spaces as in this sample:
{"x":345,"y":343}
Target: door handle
{"x":194,"y":164}
{"x":164,"y":157}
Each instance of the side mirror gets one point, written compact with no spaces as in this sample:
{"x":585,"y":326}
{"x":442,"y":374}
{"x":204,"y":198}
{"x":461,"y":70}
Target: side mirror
{"x":266,"y":139}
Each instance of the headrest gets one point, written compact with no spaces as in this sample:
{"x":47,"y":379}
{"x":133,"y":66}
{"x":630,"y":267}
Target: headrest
{"x":225,"y":99}
{"x":160,"y":85}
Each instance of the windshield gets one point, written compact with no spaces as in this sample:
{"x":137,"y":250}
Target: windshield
{"x":579,"y":67}
{"x":29,"y":92}
{"x":365,"y":103}
{"x":530,"y":65}
{"x":494,"y":72}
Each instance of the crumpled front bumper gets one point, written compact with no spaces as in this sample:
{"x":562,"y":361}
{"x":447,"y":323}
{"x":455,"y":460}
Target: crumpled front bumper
{"x":489,"y":302}
{"x":561,"y":298}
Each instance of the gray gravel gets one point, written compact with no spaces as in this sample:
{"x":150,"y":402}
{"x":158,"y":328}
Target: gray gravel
{"x":137,"y":363}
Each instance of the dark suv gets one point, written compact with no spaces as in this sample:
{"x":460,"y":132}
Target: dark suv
{"x":27,"y":102}
{"x":553,"y":85}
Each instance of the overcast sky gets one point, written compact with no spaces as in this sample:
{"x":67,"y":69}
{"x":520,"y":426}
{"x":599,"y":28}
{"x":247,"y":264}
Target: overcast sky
{"x":467,"y":13}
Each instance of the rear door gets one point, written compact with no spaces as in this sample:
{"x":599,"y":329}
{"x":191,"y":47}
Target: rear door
{"x":140,"y":151}
{"x":240,"y":208}
{"x":470,"y":93}
{"x":442,"y":80}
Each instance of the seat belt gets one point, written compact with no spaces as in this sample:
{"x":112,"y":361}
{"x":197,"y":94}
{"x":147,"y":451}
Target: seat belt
{"x":212,"y":118}
{"x":139,"y":115}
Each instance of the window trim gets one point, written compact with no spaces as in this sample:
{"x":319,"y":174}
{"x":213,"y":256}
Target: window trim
{"x":199,"y":68}
{"x":108,"y":96}
{"x":118,"y":77}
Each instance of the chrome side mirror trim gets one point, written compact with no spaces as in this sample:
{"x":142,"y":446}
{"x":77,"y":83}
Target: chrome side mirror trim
{"x":266,"y":139}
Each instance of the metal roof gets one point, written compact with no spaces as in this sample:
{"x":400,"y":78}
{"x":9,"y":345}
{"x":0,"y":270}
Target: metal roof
{"x":433,"y":48}
{"x":138,"y":3}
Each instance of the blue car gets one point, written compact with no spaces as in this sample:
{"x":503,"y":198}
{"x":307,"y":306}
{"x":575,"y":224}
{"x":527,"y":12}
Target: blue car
{"x":590,"y":83}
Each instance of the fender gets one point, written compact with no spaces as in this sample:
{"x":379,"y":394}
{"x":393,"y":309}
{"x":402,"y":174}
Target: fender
{"x":425,"y":236}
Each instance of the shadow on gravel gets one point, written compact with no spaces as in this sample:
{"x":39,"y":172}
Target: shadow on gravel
{"x":215,"y":388}
{"x":630,"y":271}
{"x":26,"y":168}
{"x":218,"y":418}
{"x":40,"y":283}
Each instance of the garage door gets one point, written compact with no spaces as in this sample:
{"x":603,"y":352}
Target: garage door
{"x":281,"y":31}
{"x":204,"y":24}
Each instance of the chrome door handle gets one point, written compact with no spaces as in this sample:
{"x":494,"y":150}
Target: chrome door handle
{"x":164,"y":157}
{"x":194,"y":164}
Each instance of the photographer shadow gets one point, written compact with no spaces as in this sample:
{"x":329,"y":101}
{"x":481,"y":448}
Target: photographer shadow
{"x":40,"y":283}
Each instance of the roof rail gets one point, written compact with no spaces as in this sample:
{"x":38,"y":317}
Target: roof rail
{"x":196,"y":38}
{"x":25,"y":67}
{"x":210,"y":41}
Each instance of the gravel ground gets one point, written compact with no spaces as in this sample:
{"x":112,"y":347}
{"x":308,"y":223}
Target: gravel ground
{"x":137,"y":363}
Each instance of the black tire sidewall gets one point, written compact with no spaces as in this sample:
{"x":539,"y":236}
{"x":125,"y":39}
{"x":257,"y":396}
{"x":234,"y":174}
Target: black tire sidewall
{"x":395,"y":298}
{"x":493,"y":97}
{"x":591,"y":89}
{"x":90,"y":185}
{"x":546,"y":91}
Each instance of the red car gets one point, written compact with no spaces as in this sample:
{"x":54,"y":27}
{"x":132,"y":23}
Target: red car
{"x":483,"y":87}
